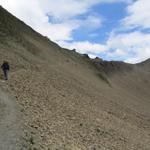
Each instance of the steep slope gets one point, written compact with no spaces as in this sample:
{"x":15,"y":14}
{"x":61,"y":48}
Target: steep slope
{"x":70,"y":101}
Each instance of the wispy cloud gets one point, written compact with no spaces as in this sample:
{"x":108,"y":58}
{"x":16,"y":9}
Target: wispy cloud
{"x":85,"y":47}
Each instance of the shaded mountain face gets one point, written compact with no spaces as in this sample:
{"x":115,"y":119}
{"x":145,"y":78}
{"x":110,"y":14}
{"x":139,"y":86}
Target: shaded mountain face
{"x":70,"y":101}
{"x":113,"y":66}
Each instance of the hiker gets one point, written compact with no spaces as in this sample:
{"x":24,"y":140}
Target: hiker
{"x":5,"y":68}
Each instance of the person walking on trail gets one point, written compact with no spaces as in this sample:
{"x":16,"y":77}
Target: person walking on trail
{"x":5,"y":67}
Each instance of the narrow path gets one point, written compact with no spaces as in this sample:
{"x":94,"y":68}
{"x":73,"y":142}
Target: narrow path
{"x":10,"y":122}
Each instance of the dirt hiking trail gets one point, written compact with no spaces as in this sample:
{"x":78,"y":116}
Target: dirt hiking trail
{"x":10,"y":121}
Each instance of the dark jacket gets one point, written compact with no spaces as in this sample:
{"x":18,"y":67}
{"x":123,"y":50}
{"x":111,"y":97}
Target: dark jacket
{"x":5,"y":66}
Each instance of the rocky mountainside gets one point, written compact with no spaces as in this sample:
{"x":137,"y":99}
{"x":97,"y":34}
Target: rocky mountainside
{"x":69,"y":101}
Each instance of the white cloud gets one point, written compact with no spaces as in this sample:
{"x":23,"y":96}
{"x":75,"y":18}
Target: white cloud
{"x":138,"y":14}
{"x":135,"y":45}
{"x":92,"y":56}
{"x":117,"y":53}
{"x":140,"y":55}
{"x":129,"y":40}
{"x":92,"y":22}
{"x":58,"y":31}
{"x":85,"y":47}
{"x":64,"y":9}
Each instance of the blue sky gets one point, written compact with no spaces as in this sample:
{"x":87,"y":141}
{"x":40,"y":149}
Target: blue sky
{"x":111,"y":14}
{"x":110,"y":29}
